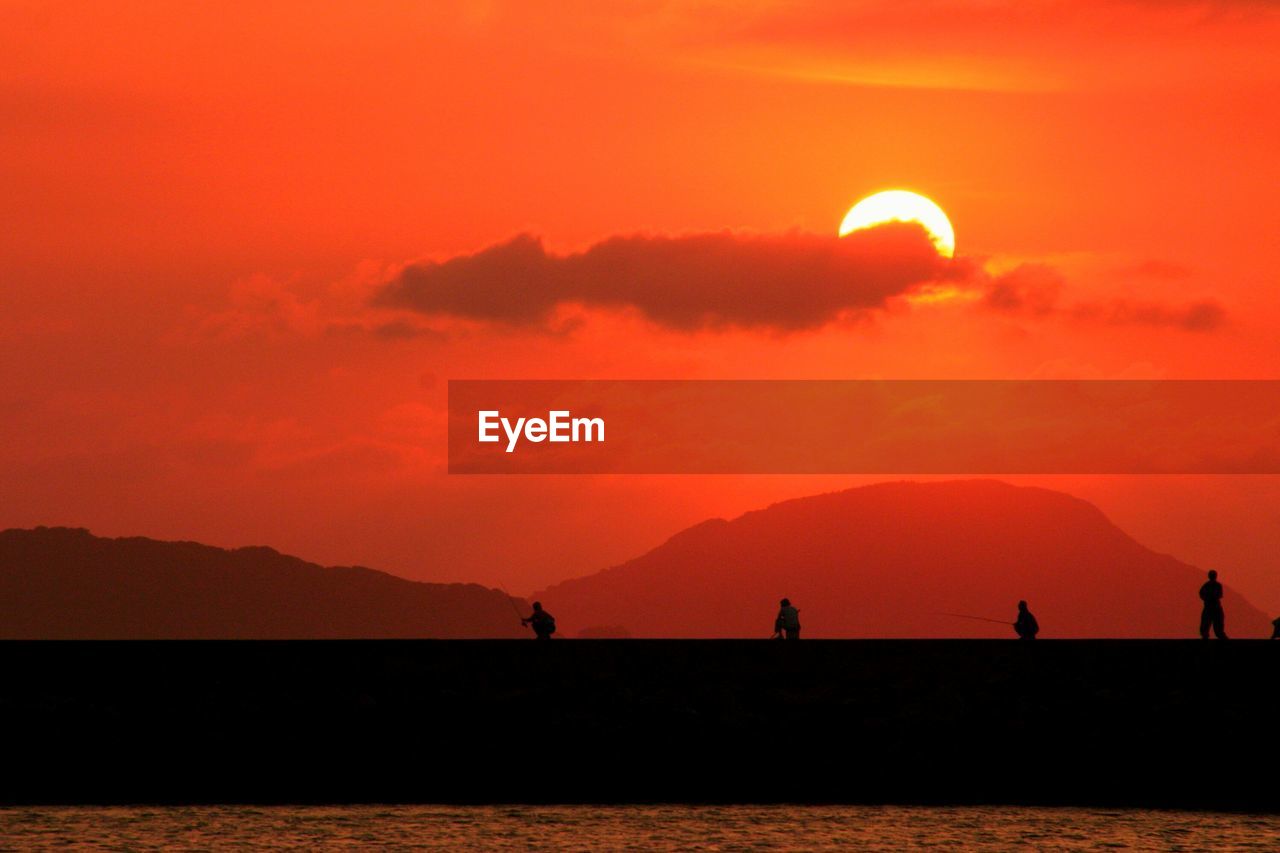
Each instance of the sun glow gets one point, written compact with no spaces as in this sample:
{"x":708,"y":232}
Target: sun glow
{"x":902,"y":206}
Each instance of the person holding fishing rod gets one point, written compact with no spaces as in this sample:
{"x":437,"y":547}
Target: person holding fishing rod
{"x":1025,"y":626}
{"x":542,"y":622}
{"x":787,"y":624}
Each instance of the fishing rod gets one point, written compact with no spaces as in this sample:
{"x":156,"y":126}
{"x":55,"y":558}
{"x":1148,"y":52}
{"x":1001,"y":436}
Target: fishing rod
{"x":978,"y":618}
{"x":511,"y":599}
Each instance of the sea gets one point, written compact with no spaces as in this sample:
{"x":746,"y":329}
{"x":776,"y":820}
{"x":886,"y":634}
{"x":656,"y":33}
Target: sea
{"x":664,"y":827}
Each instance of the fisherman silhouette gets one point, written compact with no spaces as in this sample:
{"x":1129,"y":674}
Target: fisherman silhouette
{"x":544,"y":624}
{"x":1211,"y":595}
{"x":788,"y":622}
{"x":1026,"y":626}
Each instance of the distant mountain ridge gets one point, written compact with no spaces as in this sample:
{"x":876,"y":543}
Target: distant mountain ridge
{"x":887,"y":560}
{"x":65,"y":583}
{"x":893,"y":559}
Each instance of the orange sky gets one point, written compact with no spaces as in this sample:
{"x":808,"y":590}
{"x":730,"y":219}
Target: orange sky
{"x":201,"y":200}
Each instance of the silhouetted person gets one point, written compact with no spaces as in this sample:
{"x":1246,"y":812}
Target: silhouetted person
{"x":788,"y":622}
{"x":1275,"y":629}
{"x":544,"y":624}
{"x":1026,"y":626}
{"x":1211,"y":595}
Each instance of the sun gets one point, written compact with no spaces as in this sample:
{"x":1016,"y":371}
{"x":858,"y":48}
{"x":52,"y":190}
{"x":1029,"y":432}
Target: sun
{"x":902,"y":206}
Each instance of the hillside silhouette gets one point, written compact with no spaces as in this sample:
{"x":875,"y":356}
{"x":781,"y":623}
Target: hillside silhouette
{"x":64,"y":583}
{"x":887,"y":560}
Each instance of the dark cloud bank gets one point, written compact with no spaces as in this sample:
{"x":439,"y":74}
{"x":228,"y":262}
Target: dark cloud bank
{"x":782,"y":282}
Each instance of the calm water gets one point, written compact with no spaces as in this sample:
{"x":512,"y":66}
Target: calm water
{"x":634,"y":827}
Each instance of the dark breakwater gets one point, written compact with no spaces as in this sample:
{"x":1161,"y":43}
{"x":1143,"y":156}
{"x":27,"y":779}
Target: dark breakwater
{"x":1124,"y":723}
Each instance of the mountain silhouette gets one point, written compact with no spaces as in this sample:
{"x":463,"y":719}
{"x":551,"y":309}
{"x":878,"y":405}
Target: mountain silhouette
{"x":64,"y":583}
{"x":888,"y":560}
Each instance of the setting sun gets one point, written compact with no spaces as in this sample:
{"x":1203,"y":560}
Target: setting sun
{"x":902,"y":206}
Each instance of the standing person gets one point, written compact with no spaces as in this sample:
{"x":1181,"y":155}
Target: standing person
{"x":1212,"y":615}
{"x":544,"y":624}
{"x":1026,"y":626}
{"x":788,"y":622}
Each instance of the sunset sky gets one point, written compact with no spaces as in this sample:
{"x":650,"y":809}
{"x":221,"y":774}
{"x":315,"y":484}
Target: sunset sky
{"x":228,"y":311}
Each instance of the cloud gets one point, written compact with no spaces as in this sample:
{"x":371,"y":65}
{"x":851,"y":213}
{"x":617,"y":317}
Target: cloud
{"x":1029,"y":287}
{"x":1205,"y":315}
{"x":262,"y":307}
{"x":393,"y":330}
{"x":779,"y":282}
{"x":784,"y":282}
{"x":764,"y":282}
{"x":1033,"y":289}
